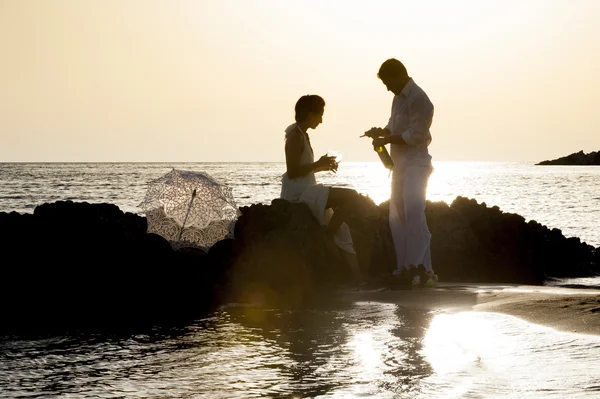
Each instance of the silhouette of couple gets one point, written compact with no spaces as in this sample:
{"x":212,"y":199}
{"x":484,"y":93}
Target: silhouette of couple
{"x":408,"y":134}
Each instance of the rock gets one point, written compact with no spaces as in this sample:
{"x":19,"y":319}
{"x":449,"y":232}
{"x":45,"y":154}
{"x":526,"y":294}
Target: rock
{"x":76,"y":265}
{"x":475,"y":243}
{"x":577,"y":158}
{"x":281,"y":252}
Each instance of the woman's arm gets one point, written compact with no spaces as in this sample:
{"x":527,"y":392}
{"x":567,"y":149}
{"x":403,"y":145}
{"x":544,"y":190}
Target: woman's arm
{"x":293,"y":152}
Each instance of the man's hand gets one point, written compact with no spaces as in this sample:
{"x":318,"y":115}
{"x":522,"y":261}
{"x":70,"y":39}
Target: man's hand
{"x":379,"y":141}
{"x":374,"y":132}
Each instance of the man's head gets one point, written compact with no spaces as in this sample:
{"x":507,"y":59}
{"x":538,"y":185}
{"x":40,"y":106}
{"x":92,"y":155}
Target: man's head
{"x":310,"y":109}
{"x":393,"y":75}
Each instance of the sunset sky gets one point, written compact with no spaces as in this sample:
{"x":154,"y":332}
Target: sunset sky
{"x":196,"y":81}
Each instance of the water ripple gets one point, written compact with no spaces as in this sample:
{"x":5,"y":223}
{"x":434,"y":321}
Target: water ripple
{"x":360,"y":350}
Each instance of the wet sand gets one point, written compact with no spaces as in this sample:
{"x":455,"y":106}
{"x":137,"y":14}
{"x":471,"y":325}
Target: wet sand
{"x":564,"y":309}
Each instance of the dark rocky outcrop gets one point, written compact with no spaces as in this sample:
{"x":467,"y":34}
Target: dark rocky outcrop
{"x":577,"y":158}
{"x":472,"y":242}
{"x":78,"y":264}
{"x":74,"y":265}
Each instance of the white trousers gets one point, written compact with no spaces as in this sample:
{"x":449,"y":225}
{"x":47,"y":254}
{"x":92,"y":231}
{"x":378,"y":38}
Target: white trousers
{"x":411,"y":236}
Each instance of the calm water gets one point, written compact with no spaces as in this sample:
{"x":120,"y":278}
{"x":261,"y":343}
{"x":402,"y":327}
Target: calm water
{"x":351,"y":350}
{"x":565,"y":197}
{"x":363,"y":350}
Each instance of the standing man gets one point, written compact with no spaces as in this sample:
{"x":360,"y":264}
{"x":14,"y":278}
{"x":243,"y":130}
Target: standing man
{"x":408,"y":133}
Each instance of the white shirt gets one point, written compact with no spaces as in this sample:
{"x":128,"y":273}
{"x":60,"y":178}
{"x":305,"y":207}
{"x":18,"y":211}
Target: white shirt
{"x":412,"y":115}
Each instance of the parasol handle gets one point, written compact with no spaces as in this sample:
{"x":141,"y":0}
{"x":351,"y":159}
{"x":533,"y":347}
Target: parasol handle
{"x":187,"y":214}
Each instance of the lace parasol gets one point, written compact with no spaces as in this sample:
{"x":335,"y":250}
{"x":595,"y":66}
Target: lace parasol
{"x":190,"y":209}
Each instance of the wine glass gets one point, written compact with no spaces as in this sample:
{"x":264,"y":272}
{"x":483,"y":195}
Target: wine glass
{"x":337,"y":156}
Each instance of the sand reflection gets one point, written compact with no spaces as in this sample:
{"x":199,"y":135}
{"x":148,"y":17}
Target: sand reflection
{"x":457,"y":341}
{"x":491,"y":354}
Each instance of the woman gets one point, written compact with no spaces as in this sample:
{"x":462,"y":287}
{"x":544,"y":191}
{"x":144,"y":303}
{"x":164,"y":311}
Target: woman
{"x":330,"y":205}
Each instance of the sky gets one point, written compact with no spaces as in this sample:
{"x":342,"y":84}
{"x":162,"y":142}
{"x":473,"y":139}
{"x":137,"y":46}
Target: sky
{"x":210,"y":81}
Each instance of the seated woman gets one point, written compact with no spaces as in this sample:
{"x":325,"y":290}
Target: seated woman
{"x":330,"y":205}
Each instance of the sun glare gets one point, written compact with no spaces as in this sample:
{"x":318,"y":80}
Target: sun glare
{"x":366,"y":352}
{"x":458,"y":342}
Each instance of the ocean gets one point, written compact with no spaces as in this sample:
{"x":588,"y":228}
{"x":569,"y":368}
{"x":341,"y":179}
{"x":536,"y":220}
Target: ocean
{"x":350,"y":350}
{"x":563,"y":197}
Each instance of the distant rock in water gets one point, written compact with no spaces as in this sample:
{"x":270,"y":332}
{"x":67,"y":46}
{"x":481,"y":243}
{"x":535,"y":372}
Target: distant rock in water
{"x":577,"y":158}
{"x":75,"y":265}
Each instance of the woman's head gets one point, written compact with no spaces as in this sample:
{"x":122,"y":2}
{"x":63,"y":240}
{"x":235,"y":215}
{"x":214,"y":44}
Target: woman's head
{"x":309,"y":110}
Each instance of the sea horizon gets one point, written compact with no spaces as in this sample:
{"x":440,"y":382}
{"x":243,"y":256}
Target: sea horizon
{"x":281,"y":161}
{"x":541,"y":193}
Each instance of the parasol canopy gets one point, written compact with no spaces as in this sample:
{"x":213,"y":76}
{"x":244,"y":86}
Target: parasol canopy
{"x":190,"y":209}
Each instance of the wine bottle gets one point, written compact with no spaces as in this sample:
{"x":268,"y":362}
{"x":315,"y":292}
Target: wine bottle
{"x":384,"y":155}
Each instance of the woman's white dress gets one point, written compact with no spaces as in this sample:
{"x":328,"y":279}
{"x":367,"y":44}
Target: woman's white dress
{"x":305,"y":189}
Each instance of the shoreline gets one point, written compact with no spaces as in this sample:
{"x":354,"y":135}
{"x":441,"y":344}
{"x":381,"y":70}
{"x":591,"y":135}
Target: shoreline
{"x":563,"y":309}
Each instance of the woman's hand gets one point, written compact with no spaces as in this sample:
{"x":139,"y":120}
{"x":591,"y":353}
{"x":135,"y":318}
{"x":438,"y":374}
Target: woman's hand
{"x":327,"y":163}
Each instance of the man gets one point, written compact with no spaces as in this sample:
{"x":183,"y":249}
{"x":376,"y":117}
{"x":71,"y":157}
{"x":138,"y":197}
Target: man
{"x":408,"y":133}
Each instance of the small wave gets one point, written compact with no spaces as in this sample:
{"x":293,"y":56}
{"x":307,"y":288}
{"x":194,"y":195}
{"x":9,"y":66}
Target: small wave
{"x":254,"y":184}
{"x":579,"y":286}
{"x":586,"y":283}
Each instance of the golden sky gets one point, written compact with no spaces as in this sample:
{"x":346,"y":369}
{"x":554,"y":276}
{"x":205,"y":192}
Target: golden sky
{"x":217,"y":80}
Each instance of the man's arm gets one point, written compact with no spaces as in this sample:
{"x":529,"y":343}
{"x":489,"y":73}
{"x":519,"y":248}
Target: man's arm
{"x":420,"y":117}
{"x":398,"y":139}
{"x":377,"y":132}
{"x":388,"y":138}
{"x":420,"y":113}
